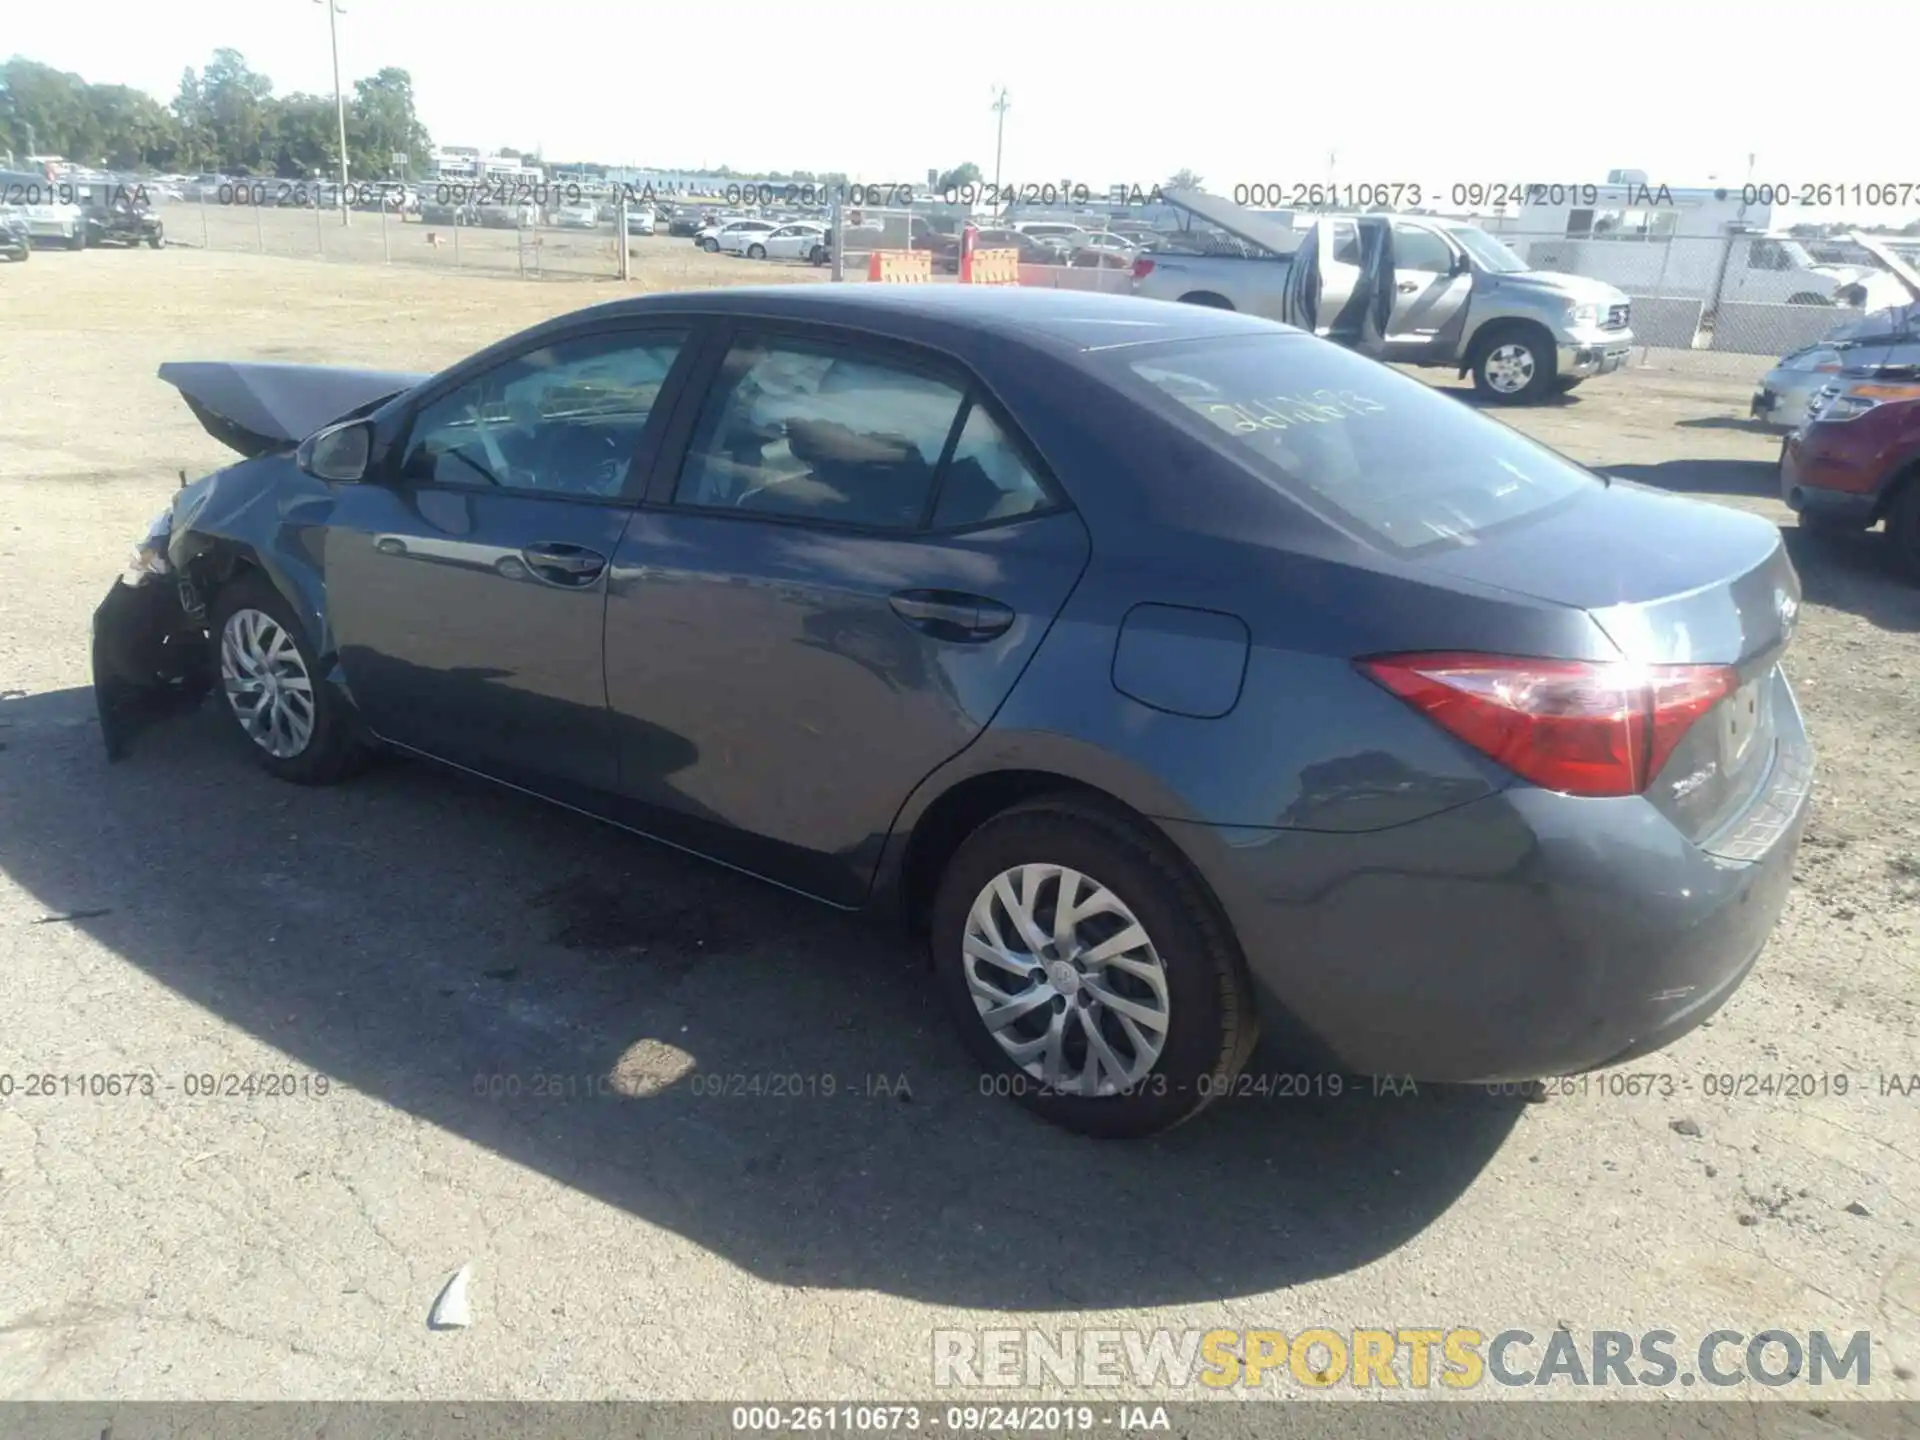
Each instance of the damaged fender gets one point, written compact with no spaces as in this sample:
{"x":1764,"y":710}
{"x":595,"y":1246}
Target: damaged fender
{"x":152,"y":654}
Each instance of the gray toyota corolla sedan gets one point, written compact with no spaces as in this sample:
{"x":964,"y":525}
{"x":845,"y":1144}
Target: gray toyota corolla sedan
{"x":1173,"y":672}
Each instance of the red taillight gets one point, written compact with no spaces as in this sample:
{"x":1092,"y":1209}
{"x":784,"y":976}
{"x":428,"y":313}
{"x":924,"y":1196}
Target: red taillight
{"x":1568,"y":725}
{"x":1142,"y":268}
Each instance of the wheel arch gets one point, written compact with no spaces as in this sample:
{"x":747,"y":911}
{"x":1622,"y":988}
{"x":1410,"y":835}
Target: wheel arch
{"x":1904,"y":478}
{"x":937,"y":820}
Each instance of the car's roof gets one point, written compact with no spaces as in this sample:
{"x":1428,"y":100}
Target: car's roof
{"x":1072,"y":320}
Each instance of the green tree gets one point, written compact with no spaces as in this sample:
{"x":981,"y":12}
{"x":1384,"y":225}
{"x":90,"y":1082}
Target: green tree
{"x":961,"y":177}
{"x":382,"y":122}
{"x":1184,"y":179}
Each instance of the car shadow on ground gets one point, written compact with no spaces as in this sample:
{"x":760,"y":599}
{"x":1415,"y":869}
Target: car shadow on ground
{"x":766,"y":1077}
{"x":1743,"y":424}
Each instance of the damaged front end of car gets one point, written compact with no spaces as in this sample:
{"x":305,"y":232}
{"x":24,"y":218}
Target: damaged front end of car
{"x":152,"y":654}
{"x":149,"y":642}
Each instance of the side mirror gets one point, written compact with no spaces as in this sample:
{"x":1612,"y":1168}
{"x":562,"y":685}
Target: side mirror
{"x":338,"y":453}
{"x":1462,"y":263}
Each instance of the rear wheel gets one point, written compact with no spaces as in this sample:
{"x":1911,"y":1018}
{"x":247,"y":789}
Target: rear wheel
{"x":756,"y":251}
{"x":1088,"y":973}
{"x":295,"y":724}
{"x":1515,"y":366}
{"x":77,"y":241}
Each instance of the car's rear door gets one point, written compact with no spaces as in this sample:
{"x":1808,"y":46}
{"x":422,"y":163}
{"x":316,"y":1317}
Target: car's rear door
{"x":467,"y":590}
{"x":1340,"y":284}
{"x":847,"y":558}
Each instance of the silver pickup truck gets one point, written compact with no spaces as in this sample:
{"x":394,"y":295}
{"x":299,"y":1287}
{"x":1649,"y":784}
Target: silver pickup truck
{"x":1412,"y":289}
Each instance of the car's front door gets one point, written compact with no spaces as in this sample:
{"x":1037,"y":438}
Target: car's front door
{"x":829,"y":593}
{"x":1432,"y":285}
{"x":467,"y":590}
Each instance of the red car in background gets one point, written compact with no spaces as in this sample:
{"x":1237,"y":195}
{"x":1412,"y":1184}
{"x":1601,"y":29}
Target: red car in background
{"x":1856,"y":461}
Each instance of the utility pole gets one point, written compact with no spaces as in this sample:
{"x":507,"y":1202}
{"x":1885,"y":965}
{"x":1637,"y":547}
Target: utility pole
{"x":339,"y":102}
{"x":1000,"y":104}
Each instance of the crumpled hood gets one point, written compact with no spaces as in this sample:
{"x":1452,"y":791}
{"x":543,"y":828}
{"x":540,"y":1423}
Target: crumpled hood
{"x":256,"y":407}
{"x":1577,"y":289}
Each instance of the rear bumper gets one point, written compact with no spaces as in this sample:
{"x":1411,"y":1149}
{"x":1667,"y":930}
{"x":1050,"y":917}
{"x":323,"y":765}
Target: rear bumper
{"x":1520,"y":936}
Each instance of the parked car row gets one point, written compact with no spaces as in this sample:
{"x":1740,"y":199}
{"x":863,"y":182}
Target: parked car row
{"x":74,"y":214}
{"x":1851,"y":458}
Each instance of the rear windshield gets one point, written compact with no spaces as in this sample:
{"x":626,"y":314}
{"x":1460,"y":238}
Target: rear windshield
{"x":1364,"y":445}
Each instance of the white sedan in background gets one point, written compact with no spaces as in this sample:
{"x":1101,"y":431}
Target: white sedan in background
{"x":734,"y":236}
{"x":640,"y":220}
{"x":797,"y":241}
{"x":584,"y":216}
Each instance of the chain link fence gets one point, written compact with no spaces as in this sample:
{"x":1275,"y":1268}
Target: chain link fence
{"x":1726,"y":303}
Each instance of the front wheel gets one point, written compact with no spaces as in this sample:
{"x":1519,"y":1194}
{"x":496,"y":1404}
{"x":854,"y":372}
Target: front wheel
{"x":711,"y":246}
{"x":756,"y":252}
{"x":1903,"y":528}
{"x":294,"y":722}
{"x":157,"y":239}
{"x":1088,"y":973}
{"x":1515,"y":367}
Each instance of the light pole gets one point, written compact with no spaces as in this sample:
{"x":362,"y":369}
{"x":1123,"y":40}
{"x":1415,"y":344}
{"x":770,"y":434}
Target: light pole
{"x":339,"y":101}
{"x":1000,"y":104}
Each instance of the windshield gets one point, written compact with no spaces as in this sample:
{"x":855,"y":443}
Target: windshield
{"x":1365,"y":446}
{"x":1488,"y":253}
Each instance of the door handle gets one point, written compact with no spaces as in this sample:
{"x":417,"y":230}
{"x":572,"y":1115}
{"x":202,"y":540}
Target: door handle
{"x":562,"y":564}
{"x":952,"y":614}
{"x":1407,"y":287}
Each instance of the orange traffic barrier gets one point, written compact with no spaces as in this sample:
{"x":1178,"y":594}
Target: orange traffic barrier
{"x":993,"y":267}
{"x":900,"y":267}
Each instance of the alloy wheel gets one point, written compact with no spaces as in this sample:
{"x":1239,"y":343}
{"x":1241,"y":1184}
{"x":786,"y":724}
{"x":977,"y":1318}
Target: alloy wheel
{"x":1510,"y":368}
{"x":267,"y":683}
{"x":1066,"y":980}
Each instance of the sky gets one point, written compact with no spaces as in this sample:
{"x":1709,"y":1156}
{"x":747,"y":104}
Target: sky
{"x":1125,"y":91}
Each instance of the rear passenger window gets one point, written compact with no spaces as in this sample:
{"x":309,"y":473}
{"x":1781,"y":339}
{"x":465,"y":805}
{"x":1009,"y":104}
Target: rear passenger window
{"x":986,"y":478}
{"x":819,"y":433}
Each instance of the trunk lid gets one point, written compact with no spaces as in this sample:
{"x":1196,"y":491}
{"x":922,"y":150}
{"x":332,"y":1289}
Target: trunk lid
{"x":257,"y":407}
{"x":1671,"y":582}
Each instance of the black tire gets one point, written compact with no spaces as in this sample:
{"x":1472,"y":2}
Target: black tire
{"x":756,"y":251}
{"x":1540,"y":352}
{"x":1903,"y":528}
{"x":1213,"y":1025}
{"x":77,"y":241}
{"x":1208,"y":299}
{"x":157,"y":239}
{"x":332,"y":751}
{"x":710,"y":245}
{"x":1566,"y":385}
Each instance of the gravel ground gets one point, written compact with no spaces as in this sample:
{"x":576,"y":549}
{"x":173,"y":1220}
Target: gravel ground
{"x":420,"y":939}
